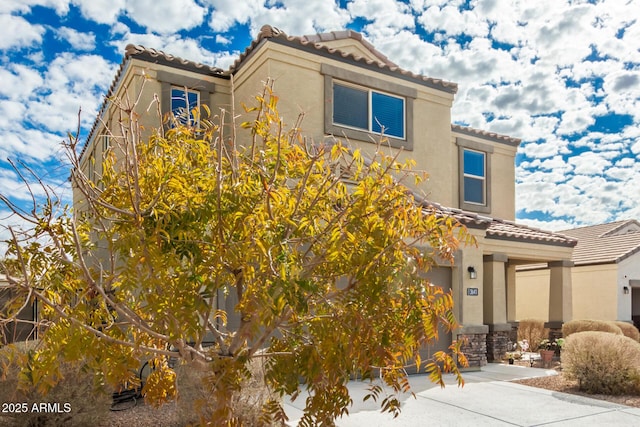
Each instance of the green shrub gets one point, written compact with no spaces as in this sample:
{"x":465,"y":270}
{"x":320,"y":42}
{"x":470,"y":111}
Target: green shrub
{"x":533,"y":331}
{"x":602,"y":362}
{"x":589,"y":325}
{"x":74,"y":401}
{"x":628,"y":330}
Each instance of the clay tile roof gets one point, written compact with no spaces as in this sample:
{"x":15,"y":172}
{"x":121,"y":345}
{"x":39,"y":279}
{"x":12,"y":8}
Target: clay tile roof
{"x":315,"y":43}
{"x":605,"y":243}
{"x":486,"y":135}
{"x":349,"y":34}
{"x":509,"y":230}
{"x":155,"y":56}
{"x":500,"y":229}
{"x":158,"y":56}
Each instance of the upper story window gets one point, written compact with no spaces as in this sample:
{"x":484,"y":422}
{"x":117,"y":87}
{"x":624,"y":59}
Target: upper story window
{"x":183,"y":102}
{"x":182,"y":93}
{"x":475,"y":173}
{"x":368,"y":110}
{"x":106,"y":143}
{"x":361,"y":107}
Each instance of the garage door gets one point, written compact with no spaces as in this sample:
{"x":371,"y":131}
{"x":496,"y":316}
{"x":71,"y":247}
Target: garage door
{"x":440,"y":276}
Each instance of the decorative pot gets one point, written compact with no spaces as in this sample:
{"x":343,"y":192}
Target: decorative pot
{"x":547,"y":356}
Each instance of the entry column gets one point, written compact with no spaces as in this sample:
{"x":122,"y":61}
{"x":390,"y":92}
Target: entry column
{"x":560,"y":296}
{"x":495,"y":305}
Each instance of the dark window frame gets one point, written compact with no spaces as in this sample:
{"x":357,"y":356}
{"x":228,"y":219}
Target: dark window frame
{"x":341,"y":76}
{"x":366,"y":118}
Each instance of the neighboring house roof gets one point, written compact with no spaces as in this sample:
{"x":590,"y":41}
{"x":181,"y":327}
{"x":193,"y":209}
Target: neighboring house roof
{"x":314,"y":43}
{"x":605,"y":243}
{"x":500,"y":229}
{"x":486,"y":135}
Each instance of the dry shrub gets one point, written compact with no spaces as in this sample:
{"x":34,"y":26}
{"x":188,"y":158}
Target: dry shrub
{"x":602,"y":362}
{"x":194,"y":396}
{"x":628,"y":330}
{"x":533,"y":331}
{"x":574,"y":326}
{"x":74,"y":401}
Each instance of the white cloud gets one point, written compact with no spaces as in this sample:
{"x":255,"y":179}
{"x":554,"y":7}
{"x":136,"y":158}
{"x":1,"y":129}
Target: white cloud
{"x":220,"y":39}
{"x":36,"y":144}
{"x":547,"y":148}
{"x":53,"y":99}
{"x":77,"y":40}
{"x":60,"y":6}
{"x":102,"y":11}
{"x":388,"y":14}
{"x":18,"y":81}
{"x":17,"y":32}
{"x":227,"y":13}
{"x":554,"y":225}
{"x":166,"y":17}
{"x":175,"y":45}
{"x":589,"y":163}
{"x":310,"y":17}
{"x":454,"y":21}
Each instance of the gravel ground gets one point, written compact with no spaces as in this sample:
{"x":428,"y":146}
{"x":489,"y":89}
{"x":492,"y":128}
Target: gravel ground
{"x":169,"y":414}
{"x":145,"y":416}
{"x":562,"y":384}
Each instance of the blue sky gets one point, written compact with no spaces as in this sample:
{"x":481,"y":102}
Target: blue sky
{"x":564,"y":76}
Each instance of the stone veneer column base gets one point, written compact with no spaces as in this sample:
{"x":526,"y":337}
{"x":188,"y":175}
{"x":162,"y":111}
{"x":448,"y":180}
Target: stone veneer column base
{"x":555,"y":330}
{"x":498,"y":340}
{"x":474,"y":345}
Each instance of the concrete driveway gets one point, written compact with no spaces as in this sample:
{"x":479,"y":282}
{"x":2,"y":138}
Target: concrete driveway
{"x":487,"y":399}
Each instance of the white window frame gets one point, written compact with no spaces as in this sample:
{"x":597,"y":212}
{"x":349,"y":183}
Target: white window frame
{"x":192,"y":121}
{"x":482,"y":178}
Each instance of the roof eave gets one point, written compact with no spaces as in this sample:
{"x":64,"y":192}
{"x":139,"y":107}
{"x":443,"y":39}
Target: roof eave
{"x":492,"y":136}
{"x":383,"y":65}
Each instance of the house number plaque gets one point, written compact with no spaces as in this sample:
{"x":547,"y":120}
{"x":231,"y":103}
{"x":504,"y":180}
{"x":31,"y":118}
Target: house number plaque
{"x":472,"y":292}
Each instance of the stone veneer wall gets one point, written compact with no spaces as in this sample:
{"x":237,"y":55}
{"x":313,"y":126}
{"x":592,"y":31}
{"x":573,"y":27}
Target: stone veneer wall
{"x":497,"y":345}
{"x":555,"y":333}
{"x":474,"y":347}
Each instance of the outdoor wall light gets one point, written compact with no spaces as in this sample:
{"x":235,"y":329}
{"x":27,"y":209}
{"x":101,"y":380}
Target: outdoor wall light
{"x":625,"y":289}
{"x":472,"y":272}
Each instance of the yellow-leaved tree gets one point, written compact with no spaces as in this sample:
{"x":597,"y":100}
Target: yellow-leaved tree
{"x":193,"y":249}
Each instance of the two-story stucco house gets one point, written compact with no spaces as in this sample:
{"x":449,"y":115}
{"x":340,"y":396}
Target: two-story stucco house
{"x":346,"y":88}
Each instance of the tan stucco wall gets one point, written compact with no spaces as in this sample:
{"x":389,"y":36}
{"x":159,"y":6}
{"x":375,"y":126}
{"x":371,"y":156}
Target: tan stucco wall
{"x":503,"y":190}
{"x":532,"y":295}
{"x":595,"y":293}
{"x":300,"y":86}
{"x":472,"y":306}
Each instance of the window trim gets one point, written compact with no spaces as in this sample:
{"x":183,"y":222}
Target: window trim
{"x":370,"y":83}
{"x":370,"y":107}
{"x":487,"y":150}
{"x":482,"y":178}
{"x":106,"y":143}
{"x":169,"y":80}
{"x":187,"y":92}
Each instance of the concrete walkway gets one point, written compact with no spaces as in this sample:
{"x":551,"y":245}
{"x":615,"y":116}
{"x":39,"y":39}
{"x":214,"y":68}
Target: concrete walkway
{"x":487,"y":399}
